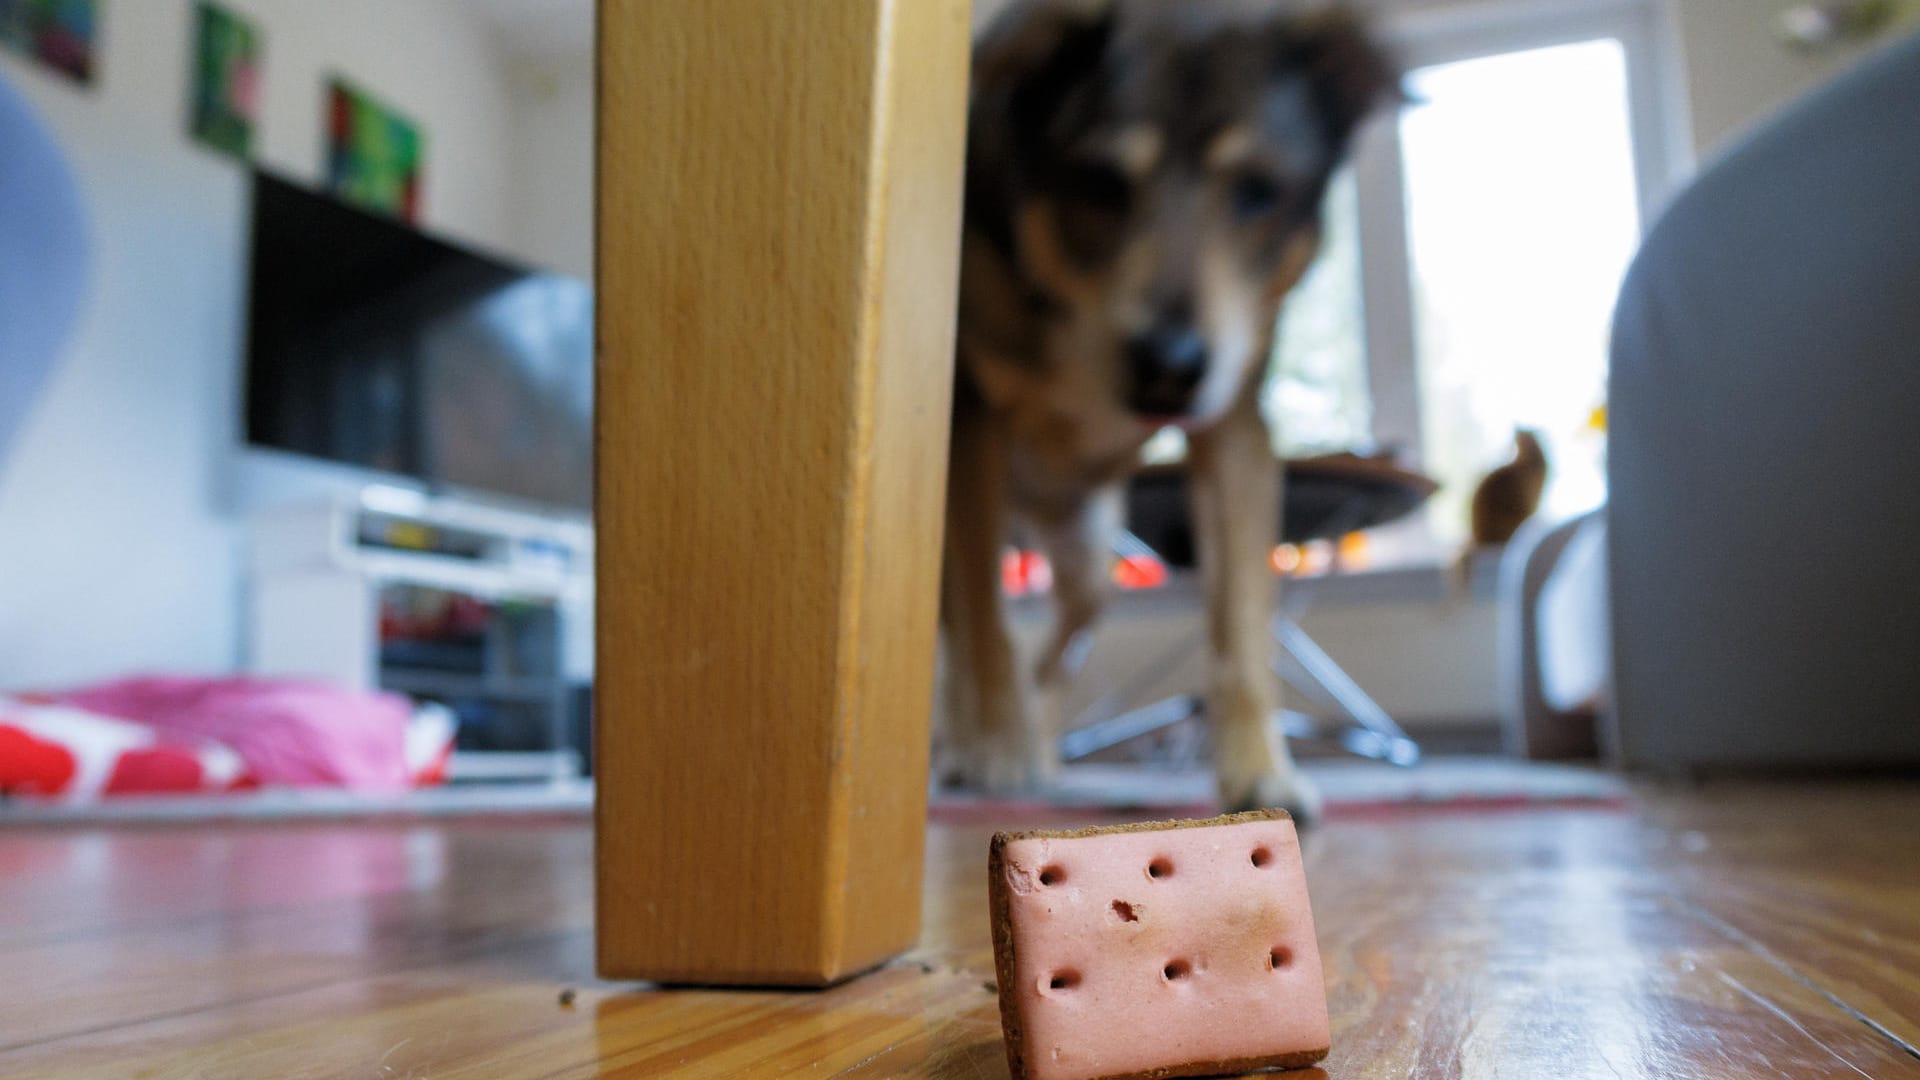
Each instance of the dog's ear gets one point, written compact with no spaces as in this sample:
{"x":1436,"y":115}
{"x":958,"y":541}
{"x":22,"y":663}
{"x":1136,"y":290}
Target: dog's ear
{"x":1033,"y":56}
{"x":1350,"y":72}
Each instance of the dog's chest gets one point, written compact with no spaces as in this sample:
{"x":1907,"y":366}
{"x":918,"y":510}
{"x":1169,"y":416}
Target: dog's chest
{"x":1054,"y":468}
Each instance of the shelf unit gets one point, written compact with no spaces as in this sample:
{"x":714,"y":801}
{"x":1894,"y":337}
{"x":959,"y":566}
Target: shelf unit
{"x":338,"y":589}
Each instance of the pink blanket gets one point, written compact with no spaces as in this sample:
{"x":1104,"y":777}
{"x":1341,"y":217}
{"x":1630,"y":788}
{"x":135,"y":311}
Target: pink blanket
{"x":301,"y":734}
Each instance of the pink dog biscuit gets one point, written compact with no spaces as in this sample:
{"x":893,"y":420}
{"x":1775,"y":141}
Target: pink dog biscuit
{"x":1156,"y":950}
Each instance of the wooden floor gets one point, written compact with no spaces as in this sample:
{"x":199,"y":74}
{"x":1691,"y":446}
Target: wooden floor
{"x":1729,"y":932}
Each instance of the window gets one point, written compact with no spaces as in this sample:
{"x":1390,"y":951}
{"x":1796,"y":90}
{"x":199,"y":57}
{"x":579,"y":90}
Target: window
{"x":1521,"y":219}
{"x":1316,"y":392}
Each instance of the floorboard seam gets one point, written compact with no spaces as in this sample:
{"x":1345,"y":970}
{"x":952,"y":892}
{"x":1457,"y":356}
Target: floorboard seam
{"x":320,"y":984}
{"x":1760,"y":949}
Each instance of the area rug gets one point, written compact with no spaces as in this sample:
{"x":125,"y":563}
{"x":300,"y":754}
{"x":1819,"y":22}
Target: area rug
{"x":1352,"y":789}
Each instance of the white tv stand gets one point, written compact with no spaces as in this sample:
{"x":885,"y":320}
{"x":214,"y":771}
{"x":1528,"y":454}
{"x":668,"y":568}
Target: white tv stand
{"x":334,"y":584}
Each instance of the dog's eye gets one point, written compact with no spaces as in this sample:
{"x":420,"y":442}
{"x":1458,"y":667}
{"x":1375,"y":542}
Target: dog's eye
{"x":1098,"y":187}
{"x":1255,"y":196}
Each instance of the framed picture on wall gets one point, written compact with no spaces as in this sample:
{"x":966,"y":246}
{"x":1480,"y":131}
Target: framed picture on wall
{"x":57,"y":33}
{"x":226,"y":80}
{"x":373,"y":153}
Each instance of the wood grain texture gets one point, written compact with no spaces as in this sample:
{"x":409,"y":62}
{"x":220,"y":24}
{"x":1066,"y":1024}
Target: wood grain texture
{"x":779,"y":214}
{"x":1798,"y":900}
{"x":1712,"y":934}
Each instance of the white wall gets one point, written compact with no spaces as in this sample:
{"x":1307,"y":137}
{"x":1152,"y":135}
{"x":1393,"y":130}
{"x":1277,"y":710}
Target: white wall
{"x":1737,"y":70}
{"x":425,"y":58}
{"x":1430,"y":665}
{"x":113,"y":555}
{"x":118,"y":546}
{"x":552,"y":194}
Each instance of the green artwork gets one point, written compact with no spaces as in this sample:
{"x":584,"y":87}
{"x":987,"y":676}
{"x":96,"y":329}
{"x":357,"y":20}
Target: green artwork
{"x":373,"y":154}
{"x":226,"y":80}
{"x":58,"y":33}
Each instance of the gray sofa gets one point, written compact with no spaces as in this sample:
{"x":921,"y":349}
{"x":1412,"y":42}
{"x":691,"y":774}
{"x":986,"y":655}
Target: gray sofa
{"x":1765,"y":447}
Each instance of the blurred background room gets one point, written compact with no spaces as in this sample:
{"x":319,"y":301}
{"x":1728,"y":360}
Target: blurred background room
{"x":302,"y":467}
{"x":1597,"y":593}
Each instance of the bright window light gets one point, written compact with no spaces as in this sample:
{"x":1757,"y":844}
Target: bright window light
{"x":1316,"y":393}
{"x":1521,"y":217}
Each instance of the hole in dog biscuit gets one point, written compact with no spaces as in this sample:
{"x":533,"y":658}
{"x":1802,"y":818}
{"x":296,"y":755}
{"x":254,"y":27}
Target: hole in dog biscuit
{"x":1161,"y":867}
{"x":1262,"y":856}
{"x":1280,"y":957}
{"x":1125,"y":911}
{"x":1176,"y":970}
{"x":1052,"y":875}
{"x":1064,"y":979}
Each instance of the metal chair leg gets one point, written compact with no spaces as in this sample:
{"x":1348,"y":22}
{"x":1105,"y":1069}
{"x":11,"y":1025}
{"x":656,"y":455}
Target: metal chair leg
{"x":1367,"y":731}
{"x":1374,"y":733}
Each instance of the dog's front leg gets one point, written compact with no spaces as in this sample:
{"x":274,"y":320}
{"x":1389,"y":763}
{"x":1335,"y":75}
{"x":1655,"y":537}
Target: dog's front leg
{"x":993,"y":745}
{"x":1079,"y":548}
{"x":1235,"y":483}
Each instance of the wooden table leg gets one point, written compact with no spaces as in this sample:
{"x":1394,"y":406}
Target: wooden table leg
{"x":778,"y":234}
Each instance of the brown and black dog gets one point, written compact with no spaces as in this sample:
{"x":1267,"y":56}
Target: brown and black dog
{"x":1144,"y":180}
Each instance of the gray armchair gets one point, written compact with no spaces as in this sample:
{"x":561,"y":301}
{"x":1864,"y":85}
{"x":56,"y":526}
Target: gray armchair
{"x":1765,"y":447}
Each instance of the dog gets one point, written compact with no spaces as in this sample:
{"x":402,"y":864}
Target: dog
{"x":1144,"y":183}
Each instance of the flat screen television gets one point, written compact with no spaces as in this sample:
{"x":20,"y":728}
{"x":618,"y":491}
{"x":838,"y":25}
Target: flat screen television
{"x":375,"y":345}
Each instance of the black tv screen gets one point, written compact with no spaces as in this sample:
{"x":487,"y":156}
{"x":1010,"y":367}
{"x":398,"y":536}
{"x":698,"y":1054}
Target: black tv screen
{"x":375,"y":345}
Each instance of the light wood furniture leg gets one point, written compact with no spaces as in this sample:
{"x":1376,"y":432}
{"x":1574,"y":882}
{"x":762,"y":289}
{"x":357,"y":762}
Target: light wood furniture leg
{"x":779,"y":221}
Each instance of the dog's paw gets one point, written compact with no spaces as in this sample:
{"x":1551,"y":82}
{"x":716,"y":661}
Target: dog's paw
{"x":1288,"y":790}
{"x":1001,"y":767}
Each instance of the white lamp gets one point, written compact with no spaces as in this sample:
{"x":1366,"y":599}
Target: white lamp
{"x":43,"y":258}
{"x":1811,"y":27}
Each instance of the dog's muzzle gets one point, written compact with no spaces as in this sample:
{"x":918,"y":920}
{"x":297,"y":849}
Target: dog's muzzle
{"x":1164,"y":368}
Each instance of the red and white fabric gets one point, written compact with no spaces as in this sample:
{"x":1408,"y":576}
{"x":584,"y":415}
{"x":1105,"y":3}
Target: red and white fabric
{"x":69,"y":755}
{"x":152,"y":736}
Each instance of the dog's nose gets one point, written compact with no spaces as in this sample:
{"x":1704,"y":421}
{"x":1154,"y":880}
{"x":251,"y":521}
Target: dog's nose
{"x":1164,"y":366}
